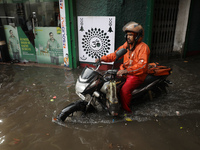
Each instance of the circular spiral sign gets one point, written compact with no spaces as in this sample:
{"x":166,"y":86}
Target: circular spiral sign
{"x":95,"y":43}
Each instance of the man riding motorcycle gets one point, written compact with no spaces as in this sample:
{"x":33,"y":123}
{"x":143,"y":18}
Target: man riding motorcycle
{"x":135,"y":63}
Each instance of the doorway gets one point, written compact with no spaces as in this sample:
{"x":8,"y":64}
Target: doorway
{"x":164,"y":25}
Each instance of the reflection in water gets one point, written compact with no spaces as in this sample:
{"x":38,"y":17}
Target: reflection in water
{"x":27,"y":108}
{"x":2,"y":139}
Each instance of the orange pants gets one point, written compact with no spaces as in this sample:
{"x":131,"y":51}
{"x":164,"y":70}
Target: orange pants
{"x":131,"y":83}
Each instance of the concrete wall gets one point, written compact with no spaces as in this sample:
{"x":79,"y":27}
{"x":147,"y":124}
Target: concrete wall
{"x":181,"y":25}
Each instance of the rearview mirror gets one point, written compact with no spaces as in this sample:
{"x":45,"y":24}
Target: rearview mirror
{"x":120,"y":53}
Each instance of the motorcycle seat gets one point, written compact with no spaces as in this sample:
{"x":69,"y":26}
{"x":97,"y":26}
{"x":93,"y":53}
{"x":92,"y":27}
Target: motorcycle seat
{"x":146,"y":84}
{"x":149,"y":79}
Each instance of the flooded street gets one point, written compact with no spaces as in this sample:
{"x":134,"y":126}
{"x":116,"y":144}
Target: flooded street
{"x":31,"y":96}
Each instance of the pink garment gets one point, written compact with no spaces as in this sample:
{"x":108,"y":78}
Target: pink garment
{"x":131,"y":83}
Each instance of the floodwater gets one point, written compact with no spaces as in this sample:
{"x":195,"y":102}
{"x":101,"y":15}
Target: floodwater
{"x":31,"y":96}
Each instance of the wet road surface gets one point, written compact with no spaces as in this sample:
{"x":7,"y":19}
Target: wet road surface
{"x":31,"y":96}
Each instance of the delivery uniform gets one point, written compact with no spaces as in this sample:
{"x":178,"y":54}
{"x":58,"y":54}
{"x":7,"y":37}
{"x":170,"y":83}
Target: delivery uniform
{"x":136,"y":63}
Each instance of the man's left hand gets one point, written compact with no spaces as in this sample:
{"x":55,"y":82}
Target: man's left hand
{"x":121,"y":72}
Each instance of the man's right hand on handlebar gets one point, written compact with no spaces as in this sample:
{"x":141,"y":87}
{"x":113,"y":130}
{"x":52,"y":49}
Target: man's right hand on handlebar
{"x":122,"y":72}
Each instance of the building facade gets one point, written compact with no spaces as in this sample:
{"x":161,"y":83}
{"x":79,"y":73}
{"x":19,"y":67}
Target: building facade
{"x":170,"y":26}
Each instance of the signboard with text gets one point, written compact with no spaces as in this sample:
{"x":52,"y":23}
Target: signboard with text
{"x":48,"y":45}
{"x":64,"y":32}
{"x":27,"y":49}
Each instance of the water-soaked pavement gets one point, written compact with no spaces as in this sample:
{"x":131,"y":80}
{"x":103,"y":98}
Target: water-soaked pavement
{"x":170,"y":122}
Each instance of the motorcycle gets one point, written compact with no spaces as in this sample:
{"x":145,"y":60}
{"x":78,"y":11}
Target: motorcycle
{"x":99,"y":91}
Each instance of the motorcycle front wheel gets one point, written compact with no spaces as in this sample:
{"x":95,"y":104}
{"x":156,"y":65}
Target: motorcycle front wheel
{"x":71,"y":108}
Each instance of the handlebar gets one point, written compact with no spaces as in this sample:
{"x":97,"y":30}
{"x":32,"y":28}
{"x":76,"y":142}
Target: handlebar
{"x":97,"y":64}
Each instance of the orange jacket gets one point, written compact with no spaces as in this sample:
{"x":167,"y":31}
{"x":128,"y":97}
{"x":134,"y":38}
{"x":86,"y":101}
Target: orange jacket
{"x":136,"y":62}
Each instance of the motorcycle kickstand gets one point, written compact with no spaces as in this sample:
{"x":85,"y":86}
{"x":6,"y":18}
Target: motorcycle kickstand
{"x":150,"y":95}
{"x":87,"y":106}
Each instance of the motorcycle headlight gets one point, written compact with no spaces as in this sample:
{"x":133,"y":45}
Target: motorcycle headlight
{"x":80,"y":87}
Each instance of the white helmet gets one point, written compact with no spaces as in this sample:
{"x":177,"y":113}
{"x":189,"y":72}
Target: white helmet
{"x":136,"y":28}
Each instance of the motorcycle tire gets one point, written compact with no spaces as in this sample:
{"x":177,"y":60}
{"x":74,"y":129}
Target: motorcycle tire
{"x":160,"y":89}
{"x":71,"y":108}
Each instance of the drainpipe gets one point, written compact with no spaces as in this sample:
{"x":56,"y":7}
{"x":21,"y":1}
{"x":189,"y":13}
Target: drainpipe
{"x":149,"y":23}
{"x":70,"y":33}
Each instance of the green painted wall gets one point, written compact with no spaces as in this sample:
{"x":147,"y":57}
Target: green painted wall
{"x":123,"y":10}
